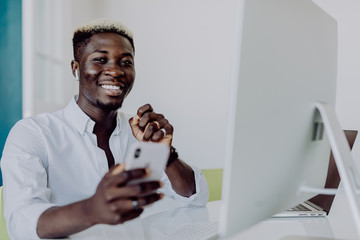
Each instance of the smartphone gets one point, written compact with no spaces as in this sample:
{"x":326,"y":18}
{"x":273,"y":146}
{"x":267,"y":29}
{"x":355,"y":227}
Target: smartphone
{"x":148,"y":155}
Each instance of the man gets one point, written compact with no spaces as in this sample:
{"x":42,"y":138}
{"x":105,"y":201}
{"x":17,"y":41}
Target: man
{"x":62,"y":171}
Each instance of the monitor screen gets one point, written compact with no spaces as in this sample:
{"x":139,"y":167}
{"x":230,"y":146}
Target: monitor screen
{"x":285,"y":61}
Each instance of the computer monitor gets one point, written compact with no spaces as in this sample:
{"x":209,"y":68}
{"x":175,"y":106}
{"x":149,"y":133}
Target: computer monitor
{"x":284,"y":86}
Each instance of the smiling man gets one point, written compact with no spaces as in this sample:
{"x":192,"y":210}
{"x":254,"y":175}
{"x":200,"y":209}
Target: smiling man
{"x":63,"y":171}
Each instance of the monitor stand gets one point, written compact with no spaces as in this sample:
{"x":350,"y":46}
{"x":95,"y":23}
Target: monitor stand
{"x":349,"y":173}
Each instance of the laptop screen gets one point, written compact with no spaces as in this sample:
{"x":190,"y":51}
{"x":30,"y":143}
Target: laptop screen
{"x":333,"y":177}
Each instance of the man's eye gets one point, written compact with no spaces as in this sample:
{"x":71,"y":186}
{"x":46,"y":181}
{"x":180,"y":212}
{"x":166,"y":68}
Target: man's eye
{"x":126,"y":62}
{"x":101,"y":60}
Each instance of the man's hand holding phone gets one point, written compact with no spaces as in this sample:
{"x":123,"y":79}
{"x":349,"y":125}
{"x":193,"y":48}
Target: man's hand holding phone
{"x":116,"y":200}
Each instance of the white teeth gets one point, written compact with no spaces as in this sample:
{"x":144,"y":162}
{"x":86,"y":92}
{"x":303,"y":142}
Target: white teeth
{"x":111,"y":87}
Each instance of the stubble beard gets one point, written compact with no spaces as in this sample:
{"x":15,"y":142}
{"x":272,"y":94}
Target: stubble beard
{"x":109,"y":106}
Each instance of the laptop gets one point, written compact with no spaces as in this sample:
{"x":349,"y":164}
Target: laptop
{"x":320,"y":205}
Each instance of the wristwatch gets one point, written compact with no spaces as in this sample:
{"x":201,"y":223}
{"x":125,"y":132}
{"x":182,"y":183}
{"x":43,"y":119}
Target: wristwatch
{"x":172,"y":157}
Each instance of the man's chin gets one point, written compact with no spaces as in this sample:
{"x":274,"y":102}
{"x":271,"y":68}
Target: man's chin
{"x":109,"y":106}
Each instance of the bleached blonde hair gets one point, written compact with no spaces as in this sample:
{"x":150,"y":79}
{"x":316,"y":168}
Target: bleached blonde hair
{"x":83,"y":33}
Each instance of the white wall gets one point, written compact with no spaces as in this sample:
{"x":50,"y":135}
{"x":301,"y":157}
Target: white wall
{"x":183,"y":55}
{"x":347,"y":13}
{"x":183,"y":59}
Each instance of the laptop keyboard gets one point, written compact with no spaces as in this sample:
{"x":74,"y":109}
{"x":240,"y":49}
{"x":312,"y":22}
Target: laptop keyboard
{"x":196,"y":231}
{"x":299,"y":207}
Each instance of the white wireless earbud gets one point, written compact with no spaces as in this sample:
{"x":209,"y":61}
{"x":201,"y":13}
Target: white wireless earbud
{"x":77,"y":75}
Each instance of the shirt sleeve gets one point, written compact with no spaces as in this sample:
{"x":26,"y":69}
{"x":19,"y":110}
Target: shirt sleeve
{"x":200,"y":198}
{"x":26,"y":195}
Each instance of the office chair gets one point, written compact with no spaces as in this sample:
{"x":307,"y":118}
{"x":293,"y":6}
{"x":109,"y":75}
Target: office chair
{"x":214,"y":180}
{"x":3,"y":232}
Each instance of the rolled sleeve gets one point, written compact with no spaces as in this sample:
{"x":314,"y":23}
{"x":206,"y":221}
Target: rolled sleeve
{"x":22,"y":223}
{"x":26,"y":195}
{"x":200,"y":198}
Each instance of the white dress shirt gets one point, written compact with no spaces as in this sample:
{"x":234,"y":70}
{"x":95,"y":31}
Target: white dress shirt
{"x":53,"y":160}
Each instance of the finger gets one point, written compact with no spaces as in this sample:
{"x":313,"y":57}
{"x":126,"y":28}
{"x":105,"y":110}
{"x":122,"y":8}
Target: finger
{"x":162,"y":123}
{"x":134,"y":124}
{"x":112,"y":180}
{"x":165,"y":132}
{"x":149,"y":199}
{"x":140,"y":201}
{"x":117,"y":169}
{"x":145,"y":108}
{"x":141,"y":111}
{"x":150,"y":117}
{"x":134,"y":120}
{"x":123,"y":207}
{"x":131,"y":191}
{"x":150,"y":129}
{"x":155,"y":126}
{"x":157,"y":136}
{"x":169,"y":129}
{"x":136,"y":173}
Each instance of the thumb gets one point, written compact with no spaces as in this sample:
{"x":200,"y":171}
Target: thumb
{"x":134,"y":124}
{"x":117,"y":169}
{"x":134,"y":121}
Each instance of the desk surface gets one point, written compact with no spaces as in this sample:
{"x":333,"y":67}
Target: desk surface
{"x":165,"y":217}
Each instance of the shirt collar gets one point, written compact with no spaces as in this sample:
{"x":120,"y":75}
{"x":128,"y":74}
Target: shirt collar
{"x":81,"y":121}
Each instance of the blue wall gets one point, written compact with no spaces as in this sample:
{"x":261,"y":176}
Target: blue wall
{"x":10,"y":67}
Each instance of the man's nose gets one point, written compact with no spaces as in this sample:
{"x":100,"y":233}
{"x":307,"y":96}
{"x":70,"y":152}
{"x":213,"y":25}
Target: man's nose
{"x":114,"y":71}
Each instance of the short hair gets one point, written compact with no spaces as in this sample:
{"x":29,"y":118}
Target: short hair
{"x":83,"y":33}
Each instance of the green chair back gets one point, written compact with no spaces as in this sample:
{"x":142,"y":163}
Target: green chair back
{"x":3,"y":232}
{"x":214,"y":179}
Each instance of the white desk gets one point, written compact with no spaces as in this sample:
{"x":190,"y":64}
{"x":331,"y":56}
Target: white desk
{"x":165,"y":217}
{"x":338,"y":225}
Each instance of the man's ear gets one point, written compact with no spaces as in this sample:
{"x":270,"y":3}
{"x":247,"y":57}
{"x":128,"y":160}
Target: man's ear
{"x":75,"y":69}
